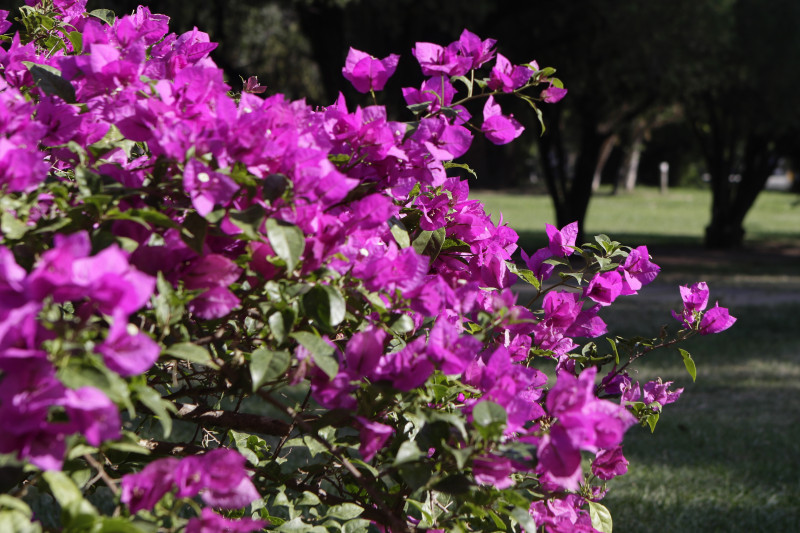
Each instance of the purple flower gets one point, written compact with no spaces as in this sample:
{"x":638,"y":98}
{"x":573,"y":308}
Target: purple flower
{"x":126,"y":350}
{"x":508,"y":77}
{"x":656,"y":391}
{"x":494,"y":470}
{"x":553,"y":94}
{"x":366,"y":72}
{"x":373,"y":437}
{"x":715,"y":320}
{"x":536,"y":263}
{"x":363,"y":352}
{"x":211,"y":522}
{"x":4,"y":23}
{"x":562,"y":241}
{"x":436,"y":60}
{"x":604,"y":288}
{"x":225,"y":480}
{"x":93,"y":414}
{"x":499,"y":128}
{"x":471,"y":46}
{"x":206,"y":187}
{"x":695,"y":300}
{"x":609,"y":464}
{"x":637,"y":270}
{"x":144,"y":489}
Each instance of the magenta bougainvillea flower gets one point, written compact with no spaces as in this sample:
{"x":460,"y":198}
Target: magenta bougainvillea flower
{"x":373,"y":437}
{"x":609,"y":463}
{"x":604,"y":288}
{"x":553,"y":94}
{"x":508,"y":77}
{"x":637,"y":270}
{"x":211,"y":522}
{"x":715,"y":320}
{"x":368,"y":73}
{"x":562,"y":240}
{"x":218,"y":476}
{"x":499,"y":128}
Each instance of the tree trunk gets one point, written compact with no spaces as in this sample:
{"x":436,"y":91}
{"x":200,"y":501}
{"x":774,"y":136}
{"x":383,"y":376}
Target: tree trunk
{"x":726,"y":229}
{"x":571,"y":193}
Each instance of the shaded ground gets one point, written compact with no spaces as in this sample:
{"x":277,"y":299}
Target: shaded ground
{"x":762,"y":274}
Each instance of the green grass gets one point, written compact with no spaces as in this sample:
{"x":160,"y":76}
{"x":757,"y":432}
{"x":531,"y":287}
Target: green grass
{"x":726,"y":456}
{"x":646,"y":216}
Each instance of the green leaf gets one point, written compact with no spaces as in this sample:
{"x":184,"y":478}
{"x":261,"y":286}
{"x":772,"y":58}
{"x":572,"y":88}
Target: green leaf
{"x":326,"y":305}
{"x":613,"y":344}
{"x":688,"y":363}
{"x":345,"y":511}
{"x":12,"y":228}
{"x":490,"y":419}
{"x":67,"y":494}
{"x":524,"y":518}
{"x":49,"y":80}
{"x":76,"y":38}
{"x":158,"y":405}
{"x":430,"y":243}
{"x":17,"y":522}
{"x":106,"y":15}
{"x":119,"y":525}
{"x":652,"y":420}
{"x":399,"y":233}
{"x":486,"y":413}
{"x":267,"y":365}
{"x":309,"y":498}
{"x":524,"y":274}
{"x":249,"y":221}
{"x":601,"y":518}
{"x":450,"y":164}
{"x":287,"y":240}
{"x":408,"y":451}
{"x":194,"y":231}
{"x":321,"y":351}
{"x":192,"y":353}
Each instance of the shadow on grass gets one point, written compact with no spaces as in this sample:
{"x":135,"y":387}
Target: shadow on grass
{"x":724,"y":457}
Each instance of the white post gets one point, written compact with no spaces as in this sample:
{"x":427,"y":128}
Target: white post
{"x":664,"y":167}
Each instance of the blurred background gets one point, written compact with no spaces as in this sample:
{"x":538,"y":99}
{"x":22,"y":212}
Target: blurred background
{"x":681,"y":130}
{"x":701,"y":92}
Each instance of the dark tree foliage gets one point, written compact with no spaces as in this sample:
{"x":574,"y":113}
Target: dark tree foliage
{"x":728,"y":66}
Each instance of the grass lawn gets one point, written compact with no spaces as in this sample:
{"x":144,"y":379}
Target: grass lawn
{"x":646,"y":216}
{"x":726,"y":456}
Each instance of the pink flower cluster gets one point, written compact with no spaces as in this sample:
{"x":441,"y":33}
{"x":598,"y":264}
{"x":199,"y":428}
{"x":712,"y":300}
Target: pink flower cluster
{"x":218,"y":476}
{"x":254,"y":193}
{"x":104,"y":284}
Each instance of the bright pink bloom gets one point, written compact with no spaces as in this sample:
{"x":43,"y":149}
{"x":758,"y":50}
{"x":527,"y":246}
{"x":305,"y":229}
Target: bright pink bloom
{"x":604,"y":288}
{"x":211,"y":522}
{"x":637,"y":270}
{"x":656,"y":391}
{"x":508,"y":77}
{"x":366,"y":72}
{"x":144,"y":489}
{"x":609,"y":463}
{"x":562,"y":241}
{"x":494,"y":470}
{"x":94,"y":415}
{"x":553,"y":94}
{"x":128,"y":353}
{"x":373,"y":437}
{"x":499,"y":128}
{"x":471,"y":46}
{"x":715,"y":320}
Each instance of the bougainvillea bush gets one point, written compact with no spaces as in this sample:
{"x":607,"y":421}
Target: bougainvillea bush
{"x":226,"y":311}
